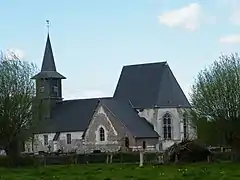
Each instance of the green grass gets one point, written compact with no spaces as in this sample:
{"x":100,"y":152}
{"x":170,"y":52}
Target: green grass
{"x":126,"y":172}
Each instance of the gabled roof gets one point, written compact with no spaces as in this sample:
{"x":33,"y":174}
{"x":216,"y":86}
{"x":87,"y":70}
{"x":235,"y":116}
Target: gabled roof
{"x":124,"y":112}
{"x":48,"y":69}
{"x":69,"y":116}
{"x":150,"y":85}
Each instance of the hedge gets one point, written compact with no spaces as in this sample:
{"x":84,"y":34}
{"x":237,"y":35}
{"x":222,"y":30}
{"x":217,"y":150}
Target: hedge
{"x":226,"y":156}
{"x":75,"y":159}
{"x":97,"y":158}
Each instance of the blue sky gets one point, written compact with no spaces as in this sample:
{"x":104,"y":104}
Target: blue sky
{"x":93,"y":39}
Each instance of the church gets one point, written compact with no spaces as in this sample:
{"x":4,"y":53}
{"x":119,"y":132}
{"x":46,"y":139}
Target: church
{"x":148,"y":111}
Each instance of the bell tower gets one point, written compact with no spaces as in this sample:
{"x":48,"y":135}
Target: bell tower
{"x":48,"y":82}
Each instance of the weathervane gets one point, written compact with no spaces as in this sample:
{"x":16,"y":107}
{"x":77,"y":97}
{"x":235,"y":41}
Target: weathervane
{"x":48,"y":25}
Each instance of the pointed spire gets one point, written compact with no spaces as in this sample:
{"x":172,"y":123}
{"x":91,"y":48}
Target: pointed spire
{"x":48,"y":63}
{"x":48,"y":69}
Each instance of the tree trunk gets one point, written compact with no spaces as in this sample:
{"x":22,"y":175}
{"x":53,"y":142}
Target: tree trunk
{"x":13,"y":152}
{"x":235,"y":145}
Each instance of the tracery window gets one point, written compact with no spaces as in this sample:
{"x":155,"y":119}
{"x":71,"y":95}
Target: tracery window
{"x":167,"y":126}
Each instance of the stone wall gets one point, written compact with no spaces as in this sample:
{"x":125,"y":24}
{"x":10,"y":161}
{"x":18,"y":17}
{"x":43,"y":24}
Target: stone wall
{"x":155,"y":117}
{"x":115,"y":133}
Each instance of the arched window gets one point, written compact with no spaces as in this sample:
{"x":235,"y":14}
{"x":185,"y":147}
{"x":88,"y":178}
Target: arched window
{"x":126,"y":142}
{"x":101,"y":134}
{"x":185,"y":126}
{"x":167,"y":126}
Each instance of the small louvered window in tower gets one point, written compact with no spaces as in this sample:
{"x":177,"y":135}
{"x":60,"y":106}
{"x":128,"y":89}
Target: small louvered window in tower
{"x":41,"y":89}
{"x":55,"y":89}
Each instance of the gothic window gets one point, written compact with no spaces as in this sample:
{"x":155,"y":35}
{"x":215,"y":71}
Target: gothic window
{"x":126,"y":142}
{"x":167,"y":126}
{"x":185,"y":126}
{"x":69,"y":139}
{"x":45,"y":139}
{"x":102,"y":134}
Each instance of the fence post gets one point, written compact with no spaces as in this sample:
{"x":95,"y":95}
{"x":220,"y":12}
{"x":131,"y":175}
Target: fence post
{"x":76,"y":158}
{"x":141,"y":159}
{"x":45,"y":160}
{"x":121,"y":158}
{"x":111,"y":156}
{"x":176,"y":158}
{"x":208,"y":159}
{"x":107,"y":160}
{"x":160,"y":159}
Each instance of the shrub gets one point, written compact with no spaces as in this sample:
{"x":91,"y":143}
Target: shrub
{"x":125,"y":157}
{"x":188,"y":151}
{"x":6,"y":161}
{"x":226,"y":156}
{"x":222,"y":156}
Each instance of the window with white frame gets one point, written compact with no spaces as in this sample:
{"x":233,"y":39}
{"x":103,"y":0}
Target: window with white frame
{"x":101,"y":134}
{"x":45,"y":139}
{"x":69,"y":139}
{"x":185,"y":126}
{"x":167,"y":126}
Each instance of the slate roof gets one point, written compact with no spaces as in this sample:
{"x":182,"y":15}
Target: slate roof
{"x":75,"y":115}
{"x":70,"y":116}
{"x":124,"y":112}
{"x":150,"y":85}
{"x":48,"y":69}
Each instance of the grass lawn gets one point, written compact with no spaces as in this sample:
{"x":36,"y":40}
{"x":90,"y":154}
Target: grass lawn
{"x":124,"y":172}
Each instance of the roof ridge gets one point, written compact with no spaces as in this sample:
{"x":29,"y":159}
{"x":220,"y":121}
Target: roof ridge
{"x":142,"y":64}
{"x":97,"y":98}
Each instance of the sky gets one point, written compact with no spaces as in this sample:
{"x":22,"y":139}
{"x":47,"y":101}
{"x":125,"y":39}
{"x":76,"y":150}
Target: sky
{"x":92,"y":40}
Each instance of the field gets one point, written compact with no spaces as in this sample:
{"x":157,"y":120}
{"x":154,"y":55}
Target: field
{"x":221,"y":171}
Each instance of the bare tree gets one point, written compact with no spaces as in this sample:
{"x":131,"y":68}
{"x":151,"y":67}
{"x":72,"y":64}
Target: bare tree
{"x":16,"y":94}
{"x":216,"y":97}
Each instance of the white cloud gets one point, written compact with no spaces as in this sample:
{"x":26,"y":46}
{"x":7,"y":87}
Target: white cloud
{"x":233,"y":6}
{"x":93,"y":94}
{"x":235,"y":17}
{"x":75,"y":94}
{"x":11,"y":53}
{"x":230,"y":39}
{"x":188,"y":17}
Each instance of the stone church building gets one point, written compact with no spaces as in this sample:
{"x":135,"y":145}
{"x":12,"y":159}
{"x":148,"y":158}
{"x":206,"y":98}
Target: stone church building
{"x":147,"y":111}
